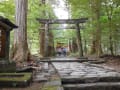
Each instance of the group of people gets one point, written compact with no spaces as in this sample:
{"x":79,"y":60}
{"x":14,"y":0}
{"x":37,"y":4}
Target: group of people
{"x":61,"y":51}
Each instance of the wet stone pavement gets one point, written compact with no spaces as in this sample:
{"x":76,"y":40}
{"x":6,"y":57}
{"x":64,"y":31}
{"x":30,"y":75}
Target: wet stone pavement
{"x":85,"y":76}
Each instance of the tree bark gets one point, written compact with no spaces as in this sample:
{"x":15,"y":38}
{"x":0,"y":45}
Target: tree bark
{"x":96,"y":43}
{"x":51,"y":50}
{"x":110,"y":35}
{"x":74,"y":45}
{"x":85,"y":47}
{"x":42,"y":33}
{"x":42,"y":41}
{"x":46,"y":40}
{"x":70,"y":45}
{"x":109,"y":11}
{"x":20,"y":46}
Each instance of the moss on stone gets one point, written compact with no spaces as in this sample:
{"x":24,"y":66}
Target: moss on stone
{"x":50,"y":88}
{"x":15,"y":76}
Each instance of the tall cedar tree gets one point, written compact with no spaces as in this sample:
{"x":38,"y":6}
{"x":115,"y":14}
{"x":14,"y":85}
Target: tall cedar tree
{"x":20,"y":46}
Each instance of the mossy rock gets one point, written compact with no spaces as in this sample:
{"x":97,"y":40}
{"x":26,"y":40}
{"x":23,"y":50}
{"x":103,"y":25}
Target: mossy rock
{"x":15,"y":79}
{"x":50,"y":88}
{"x":7,"y":66}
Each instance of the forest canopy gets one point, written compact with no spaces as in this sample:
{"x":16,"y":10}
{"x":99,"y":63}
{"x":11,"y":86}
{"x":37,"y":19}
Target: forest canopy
{"x":100,"y":35}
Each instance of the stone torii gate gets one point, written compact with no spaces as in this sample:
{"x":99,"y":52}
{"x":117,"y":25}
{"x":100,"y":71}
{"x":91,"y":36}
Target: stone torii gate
{"x":47,"y":22}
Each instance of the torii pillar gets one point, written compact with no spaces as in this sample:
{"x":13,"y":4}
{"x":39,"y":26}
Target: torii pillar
{"x":79,"y":40}
{"x":46,"y":40}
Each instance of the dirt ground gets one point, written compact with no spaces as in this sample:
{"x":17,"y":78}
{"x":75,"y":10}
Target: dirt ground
{"x":112,"y":62}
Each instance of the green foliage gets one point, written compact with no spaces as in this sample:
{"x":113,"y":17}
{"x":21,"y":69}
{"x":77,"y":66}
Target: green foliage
{"x":36,"y":10}
{"x":110,"y":8}
{"x":7,"y":9}
{"x":78,"y":9}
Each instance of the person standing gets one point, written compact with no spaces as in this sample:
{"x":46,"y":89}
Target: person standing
{"x":59,"y":51}
{"x":64,"y":51}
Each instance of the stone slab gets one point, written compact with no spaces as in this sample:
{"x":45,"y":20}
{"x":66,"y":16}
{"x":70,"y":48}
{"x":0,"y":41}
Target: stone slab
{"x":86,"y":76}
{"x":93,"y":86}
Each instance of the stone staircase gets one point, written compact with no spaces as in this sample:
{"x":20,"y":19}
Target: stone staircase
{"x":86,"y":76}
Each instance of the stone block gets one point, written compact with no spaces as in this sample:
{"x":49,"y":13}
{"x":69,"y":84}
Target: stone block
{"x":7,"y":66}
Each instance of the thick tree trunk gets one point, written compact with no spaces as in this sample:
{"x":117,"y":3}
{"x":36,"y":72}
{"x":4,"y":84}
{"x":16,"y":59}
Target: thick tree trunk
{"x":51,"y":50}
{"x":20,"y":46}
{"x":96,"y":43}
{"x":74,"y":46}
{"x":109,"y":11}
{"x":42,"y":41}
{"x":46,"y":44}
{"x":110,"y":35}
{"x":42,"y":33}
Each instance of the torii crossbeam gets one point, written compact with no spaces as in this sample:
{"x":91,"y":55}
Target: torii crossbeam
{"x":62,"y":21}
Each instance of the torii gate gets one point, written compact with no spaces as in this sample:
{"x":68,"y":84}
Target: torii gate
{"x":47,"y":22}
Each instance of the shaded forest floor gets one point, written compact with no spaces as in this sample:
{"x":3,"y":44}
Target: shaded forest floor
{"x":112,"y":62}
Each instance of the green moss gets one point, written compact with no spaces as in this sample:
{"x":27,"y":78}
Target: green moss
{"x":50,"y":88}
{"x":15,"y":76}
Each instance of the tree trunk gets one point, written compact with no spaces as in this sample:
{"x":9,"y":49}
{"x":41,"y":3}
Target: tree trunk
{"x":42,"y":41}
{"x":42,"y":33}
{"x":70,"y":45}
{"x":85,"y":47}
{"x":109,"y":11}
{"x":51,"y":50}
{"x":96,"y":43}
{"x":46,"y":44}
{"x":74,"y":45}
{"x":110,"y":35}
{"x":20,"y":46}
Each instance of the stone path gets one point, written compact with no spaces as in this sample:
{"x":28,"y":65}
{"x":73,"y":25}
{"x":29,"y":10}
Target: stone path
{"x":86,"y":75}
{"x":44,"y":79}
{"x":73,"y":76}
{"x":82,"y":70}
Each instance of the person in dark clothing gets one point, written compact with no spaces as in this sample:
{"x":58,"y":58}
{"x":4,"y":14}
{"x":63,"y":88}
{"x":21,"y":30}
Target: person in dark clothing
{"x":64,"y":51}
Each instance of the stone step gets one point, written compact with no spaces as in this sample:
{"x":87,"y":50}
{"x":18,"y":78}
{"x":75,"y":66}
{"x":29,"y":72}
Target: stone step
{"x":53,"y":83}
{"x":82,"y":58}
{"x":75,"y":60}
{"x":73,"y":80}
{"x":15,"y":79}
{"x":97,"y":61}
{"x":93,"y":86}
{"x":41,"y":79}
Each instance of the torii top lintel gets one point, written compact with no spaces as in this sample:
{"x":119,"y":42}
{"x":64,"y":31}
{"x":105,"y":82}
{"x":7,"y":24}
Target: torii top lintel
{"x":62,"y":21}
